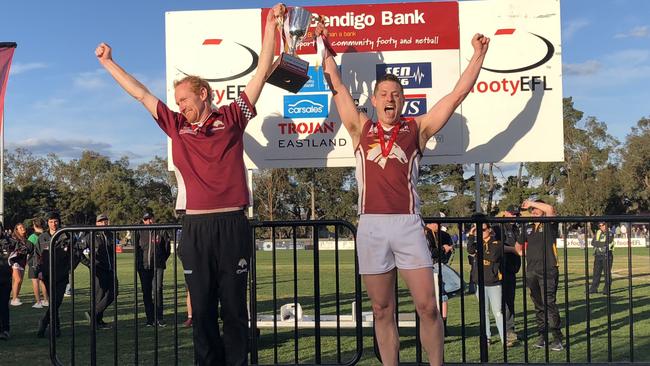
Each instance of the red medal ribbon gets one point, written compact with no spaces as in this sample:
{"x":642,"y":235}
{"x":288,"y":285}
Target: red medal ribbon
{"x":385,"y":149}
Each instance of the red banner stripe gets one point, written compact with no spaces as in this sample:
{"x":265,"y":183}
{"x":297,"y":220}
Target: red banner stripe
{"x":212,"y":41}
{"x":504,"y":31}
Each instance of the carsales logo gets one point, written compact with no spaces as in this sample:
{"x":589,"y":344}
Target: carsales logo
{"x":305,"y":106}
{"x":410,"y":75}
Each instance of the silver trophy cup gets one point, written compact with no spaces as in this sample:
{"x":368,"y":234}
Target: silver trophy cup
{"x":289,"y":72}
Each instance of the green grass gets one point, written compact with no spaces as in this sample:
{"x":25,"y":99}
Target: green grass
{"x":24,"y":345}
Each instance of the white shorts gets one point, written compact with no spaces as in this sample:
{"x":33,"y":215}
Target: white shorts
{"x":386,"y":241}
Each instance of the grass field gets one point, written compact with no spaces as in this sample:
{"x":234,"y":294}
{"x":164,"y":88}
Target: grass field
{"x":26,"y":348}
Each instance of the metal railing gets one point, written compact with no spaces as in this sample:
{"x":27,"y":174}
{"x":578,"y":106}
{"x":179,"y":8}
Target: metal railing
{"x":304,"y":278}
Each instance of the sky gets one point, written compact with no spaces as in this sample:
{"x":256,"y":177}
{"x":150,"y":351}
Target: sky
{"x":60,"y":100}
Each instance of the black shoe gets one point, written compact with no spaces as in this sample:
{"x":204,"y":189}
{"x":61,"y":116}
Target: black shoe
{"x":556,"y":345}
{"x":541,"y":343}
{"x":4,"y":335}
{"x":57,"y":332}
{"x":161,"y":323}
{"x":149,"y":324}
{"x":88,"y":317}
{"x":103,"y":325}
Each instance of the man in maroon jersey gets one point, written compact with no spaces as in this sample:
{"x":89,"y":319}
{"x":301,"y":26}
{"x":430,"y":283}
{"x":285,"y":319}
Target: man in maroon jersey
{"x":390,"y":233}
{"x":207,"y":148}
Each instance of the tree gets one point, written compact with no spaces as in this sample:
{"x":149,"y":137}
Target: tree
{"x":635,"y":168}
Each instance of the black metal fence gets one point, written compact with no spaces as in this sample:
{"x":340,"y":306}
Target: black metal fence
{"x":307,"y":305}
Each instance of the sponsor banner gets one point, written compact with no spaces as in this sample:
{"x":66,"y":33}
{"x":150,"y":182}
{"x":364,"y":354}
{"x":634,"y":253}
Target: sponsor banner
{"x":618,"y":243}
{"x":514,"y":112}
{"x":386,"y":27}
{"x":516,"y":102}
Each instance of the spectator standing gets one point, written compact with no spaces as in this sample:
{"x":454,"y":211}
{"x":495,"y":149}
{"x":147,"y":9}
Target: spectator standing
{"x":38,"y":286}
{"x":19,"y":261}
{"x":603,"y":244}
{"x":152,"y":251}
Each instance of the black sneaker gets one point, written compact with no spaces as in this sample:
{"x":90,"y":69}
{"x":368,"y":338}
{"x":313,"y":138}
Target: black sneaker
{"x":149,"y":324}
{"x":4,"y":335}
{"x":541,"y":343}
{"x":556,"y":345}
{"x":103,"y":325}
{"x":57,"y":332}
{"x":88,"y":317}
{"x":162,"y":323}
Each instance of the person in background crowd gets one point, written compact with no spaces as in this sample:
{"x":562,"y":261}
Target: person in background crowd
{"x":152,"y":251}
{"x":492,"y":276}
{"x":538,"y":241}
{"x":7,"y":247}
{"x":62,"y":257}
{"x":38,"y":286}
{"x":603,"y":243}
{"x":441,"y":247}
{"x":511,"y":265}
{"x":105,"y":285}
{"x":19,"y":261}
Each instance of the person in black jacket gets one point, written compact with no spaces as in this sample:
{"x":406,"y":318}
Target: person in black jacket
{"x":152,"y":250}
{"x":105,"y":282}
{"x":511,"y":265}
{"x":492,"y":276}
{"x":7,"y":249}
{"x":56,"y":290}
{"x":442,"y":248}
{"x":538,"y":242}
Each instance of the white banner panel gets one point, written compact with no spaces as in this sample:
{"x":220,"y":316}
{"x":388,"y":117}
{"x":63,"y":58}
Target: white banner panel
{"x":418,"y":42}
{"x":514,"y":113}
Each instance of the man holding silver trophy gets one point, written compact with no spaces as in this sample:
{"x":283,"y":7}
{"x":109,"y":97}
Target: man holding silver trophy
{"x":390,"y":233}
{"x":207,"y":148}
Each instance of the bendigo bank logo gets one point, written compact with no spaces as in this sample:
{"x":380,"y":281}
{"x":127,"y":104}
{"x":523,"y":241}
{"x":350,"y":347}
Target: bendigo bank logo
{"x":306,"y":106}
{"x":410,"y":75}
{"x":213,"y":51}
{"x":414,"y":105}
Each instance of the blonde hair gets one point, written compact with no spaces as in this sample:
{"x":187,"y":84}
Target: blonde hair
{"x":196,"y":84}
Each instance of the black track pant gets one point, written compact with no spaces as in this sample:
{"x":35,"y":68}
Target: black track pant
{"x":535,"y":284}
{"x":104,"y":292}
{"x":152,"y":279}
{"x":56,"y":298}
{"x":602,"y":264}
{"x":509,"y":286}
{"x":215,"y":251}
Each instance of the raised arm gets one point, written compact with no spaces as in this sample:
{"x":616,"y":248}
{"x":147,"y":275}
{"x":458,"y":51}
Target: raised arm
{"x":548,"y":210}
{"x":254,"y":87}
{"x":130,"y":84}
{"x":352,"y":119}
{"x":431,"y":122}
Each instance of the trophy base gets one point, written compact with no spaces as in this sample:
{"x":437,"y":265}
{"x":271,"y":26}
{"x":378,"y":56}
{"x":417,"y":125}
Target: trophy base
{"x":289,"y":73}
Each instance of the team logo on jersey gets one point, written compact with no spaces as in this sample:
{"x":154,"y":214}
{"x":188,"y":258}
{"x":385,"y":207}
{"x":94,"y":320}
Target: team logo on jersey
{"x":396,"y":152}
{"x":410,"y":75}
{"x":242,"y":266}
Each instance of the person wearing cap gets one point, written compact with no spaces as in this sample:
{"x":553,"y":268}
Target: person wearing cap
{"x":603,"y":243}
{"x":152,"y":251}
{"x":537,"y":242}
{"x":511,"y":265}
{"x":105,"y":281}
{"x":62,"y":264}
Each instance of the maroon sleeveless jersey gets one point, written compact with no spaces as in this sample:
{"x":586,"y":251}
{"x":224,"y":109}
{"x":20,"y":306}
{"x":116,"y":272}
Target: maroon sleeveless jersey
{"x":387,"y":185}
